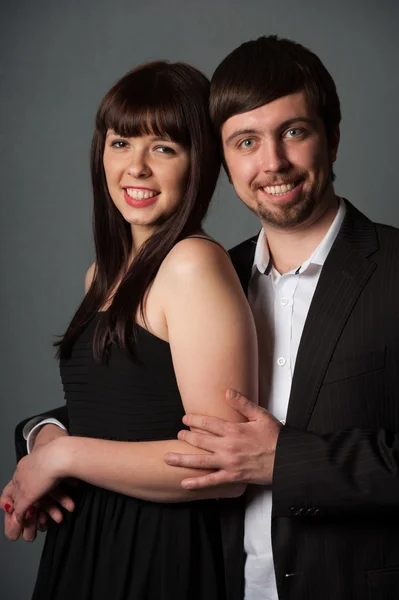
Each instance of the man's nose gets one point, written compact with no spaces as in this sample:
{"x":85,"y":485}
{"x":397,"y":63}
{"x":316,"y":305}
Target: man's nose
{"x":273,"y":157}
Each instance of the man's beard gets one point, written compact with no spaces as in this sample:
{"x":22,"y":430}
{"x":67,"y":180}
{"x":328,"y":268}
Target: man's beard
{"x":295,"y":212}
{"x":288,"y":214}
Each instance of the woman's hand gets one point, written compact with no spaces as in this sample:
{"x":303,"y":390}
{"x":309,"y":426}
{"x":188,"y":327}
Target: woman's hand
{"x":36,"y":517}
{"x":49,"y":507}
{"x":36,"y":476}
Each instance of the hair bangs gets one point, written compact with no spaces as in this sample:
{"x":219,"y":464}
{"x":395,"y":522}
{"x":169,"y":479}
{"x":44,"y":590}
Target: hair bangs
{"x":250,"y":90}
{"x":263,"y":70}
{"x":169,"y":101}
{"x":150,"y":107}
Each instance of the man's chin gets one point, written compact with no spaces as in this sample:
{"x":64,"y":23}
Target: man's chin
{"x":288,"y":216}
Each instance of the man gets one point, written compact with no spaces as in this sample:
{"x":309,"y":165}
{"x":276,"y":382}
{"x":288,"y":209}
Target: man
{"x":321,"y":279}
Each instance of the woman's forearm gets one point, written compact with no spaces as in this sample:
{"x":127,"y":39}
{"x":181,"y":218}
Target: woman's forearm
{"x":134,"y":468}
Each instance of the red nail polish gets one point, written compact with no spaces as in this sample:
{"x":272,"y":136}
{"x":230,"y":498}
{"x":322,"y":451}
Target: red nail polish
{"x":30,"y":512}
{"x":7,"y":507}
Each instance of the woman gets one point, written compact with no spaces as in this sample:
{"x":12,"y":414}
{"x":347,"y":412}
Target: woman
{"x":164,"y":329}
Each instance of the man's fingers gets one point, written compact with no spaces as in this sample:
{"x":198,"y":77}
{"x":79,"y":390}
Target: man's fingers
{"x":206,"y":481}
{"x":59,"y":495}
{"x":191,"y":461}
{"x":205,"y":423}
{"x":199,"y":440}
{"x":241,"y":404}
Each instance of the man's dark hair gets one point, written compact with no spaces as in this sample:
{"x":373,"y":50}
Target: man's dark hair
{"x":263,"y":70}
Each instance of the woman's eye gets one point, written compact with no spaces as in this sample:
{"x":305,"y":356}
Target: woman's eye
{"x":119,"y":144}
{"x":247,"y":144}
{"x":165,"y":150}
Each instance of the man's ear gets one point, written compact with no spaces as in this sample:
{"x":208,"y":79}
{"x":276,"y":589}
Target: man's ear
{"x":334,"y":145}
{"x":226,"y":170}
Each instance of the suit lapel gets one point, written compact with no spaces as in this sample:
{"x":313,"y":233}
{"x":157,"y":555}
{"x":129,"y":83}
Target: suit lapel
{"x":342,"y":279}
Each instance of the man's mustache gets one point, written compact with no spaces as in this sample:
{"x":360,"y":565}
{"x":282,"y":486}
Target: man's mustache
{"x":281,"y":179}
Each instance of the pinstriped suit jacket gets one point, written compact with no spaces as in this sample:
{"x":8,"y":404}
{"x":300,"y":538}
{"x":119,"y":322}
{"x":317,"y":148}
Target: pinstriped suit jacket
{"x":335,"y":526}
{"x":335,"y":522}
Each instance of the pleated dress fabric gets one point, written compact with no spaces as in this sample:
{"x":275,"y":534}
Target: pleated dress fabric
{"x":115,"y":547}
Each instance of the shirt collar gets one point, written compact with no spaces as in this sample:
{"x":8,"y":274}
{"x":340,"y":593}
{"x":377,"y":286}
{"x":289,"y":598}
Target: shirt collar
{"x":262,"y":259}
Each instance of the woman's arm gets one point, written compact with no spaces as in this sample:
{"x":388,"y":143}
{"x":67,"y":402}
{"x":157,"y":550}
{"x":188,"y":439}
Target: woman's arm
{"x":213,"y":344}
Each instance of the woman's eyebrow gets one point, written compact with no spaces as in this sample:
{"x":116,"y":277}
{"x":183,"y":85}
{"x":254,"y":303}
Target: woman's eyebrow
{"x":157,"y":138}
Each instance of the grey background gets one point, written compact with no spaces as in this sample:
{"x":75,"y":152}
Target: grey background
{"x":57,"y":59}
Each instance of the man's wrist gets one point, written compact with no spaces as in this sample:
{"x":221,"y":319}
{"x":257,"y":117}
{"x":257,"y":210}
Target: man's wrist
{"x":48,"y":433}
{"x":33,"y":427}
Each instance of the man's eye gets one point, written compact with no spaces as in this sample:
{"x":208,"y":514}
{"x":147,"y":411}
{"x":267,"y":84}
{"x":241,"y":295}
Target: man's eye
{"x":294,"y":132}
{"x":246,"y":144}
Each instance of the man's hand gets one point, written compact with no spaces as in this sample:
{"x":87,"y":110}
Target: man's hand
{"x":240,"y":452}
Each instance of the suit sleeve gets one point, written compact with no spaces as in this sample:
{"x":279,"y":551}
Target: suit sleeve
{"x":353,"y":470}
{"x":61,"y":414}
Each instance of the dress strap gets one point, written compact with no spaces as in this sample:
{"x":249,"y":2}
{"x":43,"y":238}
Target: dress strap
{"x":204,"y":237}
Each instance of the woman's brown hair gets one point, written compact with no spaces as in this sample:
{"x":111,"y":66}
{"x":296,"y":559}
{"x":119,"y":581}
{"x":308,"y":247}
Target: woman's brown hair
{"x":164,"y":100}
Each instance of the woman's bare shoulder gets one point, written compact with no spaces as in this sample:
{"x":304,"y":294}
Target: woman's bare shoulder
{"x":194,"y":253}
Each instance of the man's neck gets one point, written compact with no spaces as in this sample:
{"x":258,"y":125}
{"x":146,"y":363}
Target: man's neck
{"x":290,"y":248}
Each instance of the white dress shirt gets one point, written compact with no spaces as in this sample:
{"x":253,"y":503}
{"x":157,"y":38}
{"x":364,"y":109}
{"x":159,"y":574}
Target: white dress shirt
{"x":33,"y":427}
{"x":280,"y":304}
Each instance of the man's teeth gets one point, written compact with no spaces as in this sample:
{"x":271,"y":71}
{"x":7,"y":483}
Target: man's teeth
{"x":279,"y":190}
{"x":140,"y":194}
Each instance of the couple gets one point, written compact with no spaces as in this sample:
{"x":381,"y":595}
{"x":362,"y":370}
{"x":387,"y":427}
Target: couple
{"x":321,"y":463}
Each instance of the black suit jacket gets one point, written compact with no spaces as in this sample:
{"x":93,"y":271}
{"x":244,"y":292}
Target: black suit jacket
{"x":335,"y":530}
{"x":335,"y":526}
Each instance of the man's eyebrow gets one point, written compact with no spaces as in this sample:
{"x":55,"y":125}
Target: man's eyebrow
{"x":283,"y":125}
{"x":240,"y":132}
{"x":299,"y":119}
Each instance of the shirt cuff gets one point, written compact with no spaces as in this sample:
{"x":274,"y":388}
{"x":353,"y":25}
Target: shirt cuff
{"x":33,"y":427}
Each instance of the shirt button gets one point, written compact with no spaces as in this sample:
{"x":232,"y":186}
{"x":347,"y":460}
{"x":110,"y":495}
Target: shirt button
{"x":281,"y":361}
{"x":284,"y":301}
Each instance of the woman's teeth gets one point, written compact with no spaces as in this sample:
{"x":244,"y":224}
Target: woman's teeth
{"x":140,"y":194}
{"x":279,"y":190}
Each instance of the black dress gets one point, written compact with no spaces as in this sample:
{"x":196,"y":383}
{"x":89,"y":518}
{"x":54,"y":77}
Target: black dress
{"x":114,"y":547}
